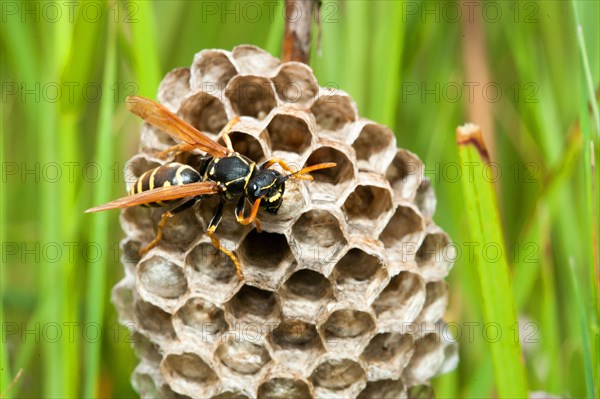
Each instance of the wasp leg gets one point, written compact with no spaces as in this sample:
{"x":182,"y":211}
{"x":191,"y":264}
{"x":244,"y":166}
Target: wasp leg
{"x":163,"y":221}
{"x":176,"y":149}
{"x":285,"y":167}
{"x":212,"y":226}
{"x":240,"y":210}
{"x":226,"y":130}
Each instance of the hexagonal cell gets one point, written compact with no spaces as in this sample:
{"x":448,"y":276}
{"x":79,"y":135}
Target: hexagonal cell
{"x":289,"y":133}
{"x":405,"y":174}
{"x":145,"y":349}
{"x":211,"y":70}
{"x":180,"y":231}
{"x":251,"y":302}
{"x":202,"y":318}
{"x":387,"y":355}
{"x":342,"y":172}
{"x":284,"y":388}
{"x":264,"y":255}
{"x":130,"y":253}
{"x":138,"y":222}
{"x":348,"y":325}
{"x":333,"y":111}
{"x":425,"y":199}
{"x":241,"y":356}
{"x":246,"y":144}
{"x":210,"y":271}
{"x":152,"y":141}
{"x":367,"y":207}
{"x":144,"y":385}
{"x":329,"y":184}
{"x":338,"y":378}
{"x":436,"y":255}
{"x":174,"y":87}
{"x":371,"y":146}
{"x":122,"y":298}
{"x":154,"y":320}
{"x":253,"y":60}
{"x":296,"y":336}
{"x":307,"y":284}
{"x":400,"y":302}
{"x":359,"y":274}
{"x":296,"y":84}
{"x":161,"y":277}
{"x":304,"y":294}
{"x":251,"y":96}
{"x":189,"y":374}
{"x":204,"y":111}
{"x":264,"y":249}
{"x":317,"y":238}
{"x":384,"y":389}
{"x":403,"y":235}
{"x":436,"y":301}
{"x":427,"y":359}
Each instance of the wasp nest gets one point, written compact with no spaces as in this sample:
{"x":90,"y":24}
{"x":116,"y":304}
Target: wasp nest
{"x":343,"y":293}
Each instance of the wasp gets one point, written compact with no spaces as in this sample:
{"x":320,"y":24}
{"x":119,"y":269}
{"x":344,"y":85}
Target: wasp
{"x":223,"y":172}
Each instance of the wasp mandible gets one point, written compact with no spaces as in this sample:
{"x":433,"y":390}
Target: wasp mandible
{"x":231,"y":175}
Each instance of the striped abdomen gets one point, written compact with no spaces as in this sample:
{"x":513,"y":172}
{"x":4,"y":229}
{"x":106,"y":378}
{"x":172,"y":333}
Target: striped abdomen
{"x":172,"y":174}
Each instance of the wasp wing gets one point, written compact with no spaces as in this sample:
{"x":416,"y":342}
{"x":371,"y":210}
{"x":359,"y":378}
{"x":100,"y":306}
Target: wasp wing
{"x":160,"y":194}
{"x":159,"y":116}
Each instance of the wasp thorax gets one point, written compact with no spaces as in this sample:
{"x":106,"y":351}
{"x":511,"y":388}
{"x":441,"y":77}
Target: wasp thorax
{"x":340,"y":297}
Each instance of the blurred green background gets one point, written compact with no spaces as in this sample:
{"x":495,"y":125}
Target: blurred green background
{"x":422,"y":68}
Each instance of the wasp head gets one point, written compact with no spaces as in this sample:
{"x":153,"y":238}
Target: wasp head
{"x":269,"y":185}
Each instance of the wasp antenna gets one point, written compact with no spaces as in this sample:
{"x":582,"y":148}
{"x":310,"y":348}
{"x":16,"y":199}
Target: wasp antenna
{"x":311,"y":168}
{"x":318,"y":166}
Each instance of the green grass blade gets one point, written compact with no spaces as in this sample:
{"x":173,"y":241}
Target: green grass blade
{"x":19,"y":52}
{"x":65,"y":43}
{"x":549,"y":324}
{"x":4,"y":361}
{"x":387,"y":60}
{"x":80,"y":62}
{"x":325,"y":63}
{"x":275,"y":38}
{"x":590,"y":156}
{"x":19,"y":47}
{"x":587,"y":73}
{"x":51,"y":282}
{"x":481,"y":382}
{"x":96,"y":282}
{"x":357,"y":52}
{"x":494,"y":278}
{"x":583,"y":324}
{"x":146,"y":61}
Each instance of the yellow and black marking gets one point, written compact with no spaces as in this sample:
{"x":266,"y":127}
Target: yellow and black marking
{"x":232,"y":173}
{"x":220,"y":171}
{"x":172,"y":174}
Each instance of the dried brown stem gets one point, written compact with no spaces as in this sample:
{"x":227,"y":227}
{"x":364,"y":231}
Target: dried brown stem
{"x":298,"y":21}
{"x":475,"y":60}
